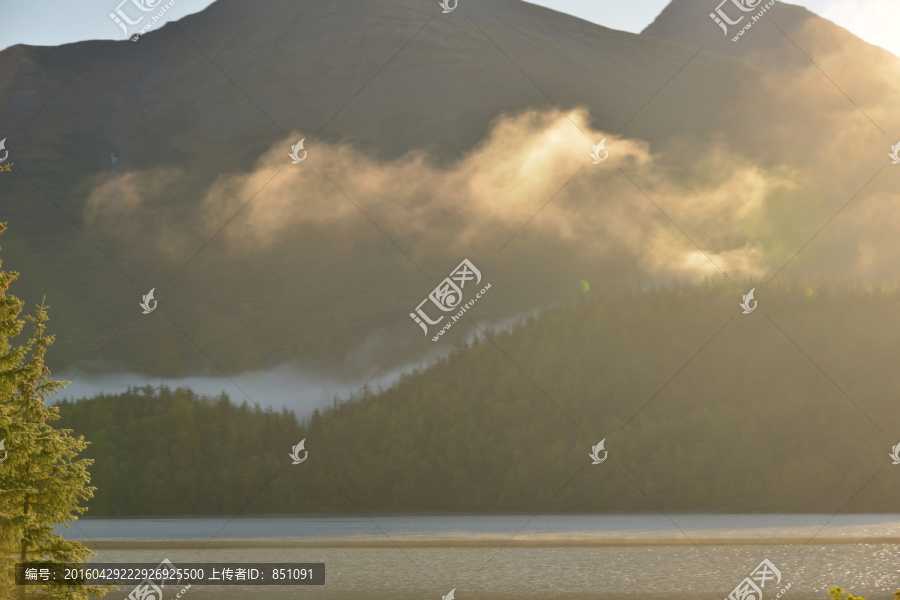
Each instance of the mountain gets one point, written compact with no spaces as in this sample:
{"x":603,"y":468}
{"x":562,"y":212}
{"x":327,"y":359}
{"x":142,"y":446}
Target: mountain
{"x":778,"y":31}
{"x":163,"y":163}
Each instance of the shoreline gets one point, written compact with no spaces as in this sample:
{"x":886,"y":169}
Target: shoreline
{"x":192,"y":544}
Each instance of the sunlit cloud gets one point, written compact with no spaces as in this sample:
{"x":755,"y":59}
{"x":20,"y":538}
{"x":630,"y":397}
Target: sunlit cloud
{"x":720,"y":211}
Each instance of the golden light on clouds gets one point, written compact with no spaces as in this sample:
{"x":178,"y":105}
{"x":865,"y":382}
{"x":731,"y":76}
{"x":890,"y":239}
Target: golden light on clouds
{"x":476,"y":203}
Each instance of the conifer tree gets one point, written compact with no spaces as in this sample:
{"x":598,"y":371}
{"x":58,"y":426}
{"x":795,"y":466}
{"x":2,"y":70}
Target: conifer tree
{"x":42,"y":483}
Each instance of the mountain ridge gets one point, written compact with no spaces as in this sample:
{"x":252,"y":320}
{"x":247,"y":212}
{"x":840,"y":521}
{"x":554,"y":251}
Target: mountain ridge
{"x":449,"y":133}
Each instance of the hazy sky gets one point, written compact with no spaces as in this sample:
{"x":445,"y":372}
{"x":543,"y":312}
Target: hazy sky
{"x":54,"y":22}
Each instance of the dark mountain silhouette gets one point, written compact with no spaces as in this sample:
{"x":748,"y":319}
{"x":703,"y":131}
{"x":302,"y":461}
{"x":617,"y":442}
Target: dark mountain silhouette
{"x":431,"y":138}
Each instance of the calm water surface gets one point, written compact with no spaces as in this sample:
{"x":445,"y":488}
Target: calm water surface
{"x":552,"y":569}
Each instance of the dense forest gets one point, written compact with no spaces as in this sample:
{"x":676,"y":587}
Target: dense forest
{"x":790,"y":408}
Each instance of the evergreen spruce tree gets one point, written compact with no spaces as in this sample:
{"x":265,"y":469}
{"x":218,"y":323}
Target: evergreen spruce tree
{"x":42,"y":483}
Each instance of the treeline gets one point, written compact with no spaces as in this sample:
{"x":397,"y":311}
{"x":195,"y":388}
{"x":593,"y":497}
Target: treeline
{"x":160,"y":451}
{"x":793,"y":407}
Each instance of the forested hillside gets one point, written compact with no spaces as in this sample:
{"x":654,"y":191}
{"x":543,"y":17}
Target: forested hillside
{"x":790,"y":408}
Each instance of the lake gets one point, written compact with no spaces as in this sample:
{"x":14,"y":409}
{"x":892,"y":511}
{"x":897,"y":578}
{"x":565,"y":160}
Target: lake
{"x":504,"y":557}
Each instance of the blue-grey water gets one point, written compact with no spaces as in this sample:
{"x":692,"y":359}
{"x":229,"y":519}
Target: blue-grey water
{"x":500,"y":557}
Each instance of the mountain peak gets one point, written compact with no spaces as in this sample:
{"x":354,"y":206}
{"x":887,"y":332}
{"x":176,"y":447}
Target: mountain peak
{"x":718,"y":24}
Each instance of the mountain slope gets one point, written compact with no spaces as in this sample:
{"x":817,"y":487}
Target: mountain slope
{"x":700,"y":410}
{"x":431,"y":138}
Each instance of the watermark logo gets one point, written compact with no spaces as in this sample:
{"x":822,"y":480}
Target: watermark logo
{"x":152,"y":588}
{"x":449,"y":596}
{"x":895,"y":154}
{"x":723,"y":20}
{"x":601,"y":147}
{"x":295,"y":452}
{"x":745,"y":304}
{"x":595,"y":452}
{"x":144,"y":6}
{"x":3,"y":449}
{"x":4,"y":157}
{"x":751,"y":588}
{"x":448,"y":296}
{"x":146,"y":590}
{"x":121,"y":19}
{"x":294,"y":152}
{"x":147,"y":299}
{"x":895,"y":453}
{"x":449,"y":8}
